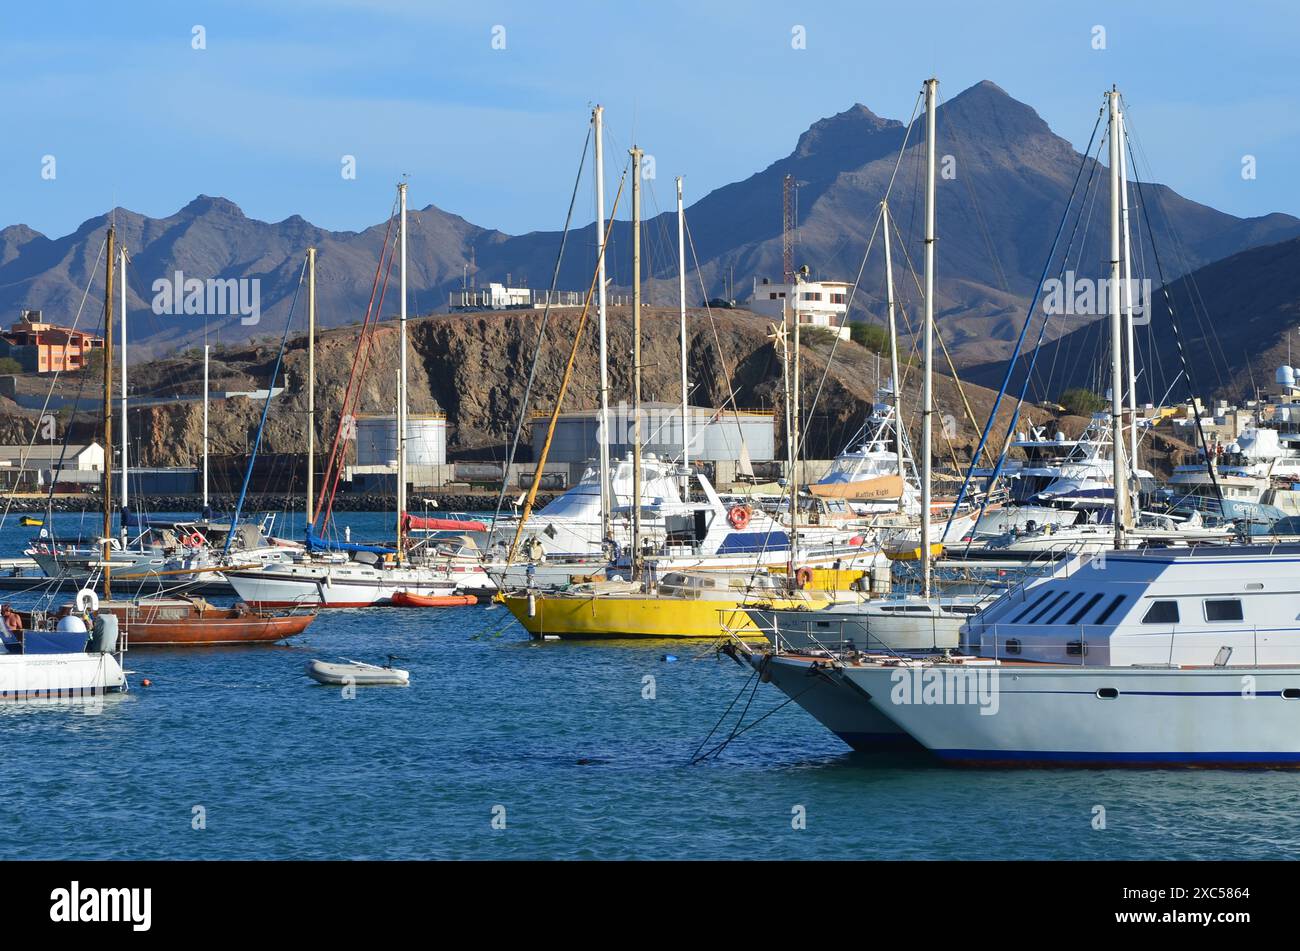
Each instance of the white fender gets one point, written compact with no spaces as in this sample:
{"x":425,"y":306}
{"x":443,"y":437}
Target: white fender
{"x":87,"y":599}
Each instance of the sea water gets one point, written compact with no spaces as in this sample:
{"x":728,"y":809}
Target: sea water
{"x":502,"y":747}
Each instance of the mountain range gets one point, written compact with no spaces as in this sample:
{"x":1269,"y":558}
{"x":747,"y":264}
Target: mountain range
{"x":1005,"y":181}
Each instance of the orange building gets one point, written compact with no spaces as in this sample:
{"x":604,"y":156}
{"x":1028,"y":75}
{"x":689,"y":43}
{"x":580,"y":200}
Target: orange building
{"x":44,"y":348}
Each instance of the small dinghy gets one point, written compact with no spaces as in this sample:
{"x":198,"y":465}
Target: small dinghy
{"x":357,"y":674}
{"x":406,"y":599}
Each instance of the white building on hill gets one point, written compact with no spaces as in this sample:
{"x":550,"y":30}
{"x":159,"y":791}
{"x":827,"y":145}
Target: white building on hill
{"x":817,"y":303}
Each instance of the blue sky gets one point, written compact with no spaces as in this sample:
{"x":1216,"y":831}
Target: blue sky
{"x":135,"y":116}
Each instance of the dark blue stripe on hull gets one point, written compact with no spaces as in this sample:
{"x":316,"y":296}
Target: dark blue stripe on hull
{"x":58,"y":693}
{"x":1141,"y":760}
{"x":876,"y":742}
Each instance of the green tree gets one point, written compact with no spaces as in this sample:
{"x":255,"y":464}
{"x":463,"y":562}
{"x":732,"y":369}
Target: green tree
{"x":10,"y":365}
{"x":872,"y":336}
{"x":1081,"y":402}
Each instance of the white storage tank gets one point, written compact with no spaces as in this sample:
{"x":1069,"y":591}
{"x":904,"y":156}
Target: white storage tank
{"x":426,"y":440}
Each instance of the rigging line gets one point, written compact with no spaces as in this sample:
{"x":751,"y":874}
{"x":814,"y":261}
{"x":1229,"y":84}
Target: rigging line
{"x":961,"y":390}
{"x":541,"y":331}
{"x":257,"y":442}
{"x":725,"y":713}
{"x":1083,"y":229}
{"x":333,"y":460}
{"x":564,"y":386}
{"x":1200,"y":311}
{"x":350,"y":408}
{"x":1006,"y":380}
{"x":1178,"y":341}
{"x":49,"y":394}
{"x":951,"y":131}
{"x":848,"y":307}
{"x":1079,"y":231}
{"x":752,"y":683}
{"x":728,"y":379}
{"x":738,"y":730}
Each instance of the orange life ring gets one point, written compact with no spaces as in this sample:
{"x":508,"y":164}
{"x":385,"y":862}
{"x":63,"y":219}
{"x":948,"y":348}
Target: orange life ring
{"x":738,"y":517}
{"x":196,"y":540}
{"x":803,"y":577}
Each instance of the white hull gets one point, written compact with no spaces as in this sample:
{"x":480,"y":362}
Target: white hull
{"x":837,"y":707}
{"x":335,"y":585}
{"x":58,"y":677}
{"x":1104,"y":716}
{"x":864,"y":627}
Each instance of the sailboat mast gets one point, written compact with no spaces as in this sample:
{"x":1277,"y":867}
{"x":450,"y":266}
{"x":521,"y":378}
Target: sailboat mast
{"x":121,"y":264}
{"x":636,"y":361}
{"x":401,"y":378}
{"x":1116,"y":330}
{"x":598,"y":120}
{"x":681,"y":303}
{"x":108,"y":413}
{"x":893,"y":348}
{"x":311,"y":380}
{"x":206,"y":351}
{"x":794,"y":443}
{"x":927,"y":391}
{"x":1128,"y":305}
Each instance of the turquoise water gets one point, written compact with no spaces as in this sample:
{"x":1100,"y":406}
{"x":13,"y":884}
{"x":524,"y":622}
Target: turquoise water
{"x":559,"y":735}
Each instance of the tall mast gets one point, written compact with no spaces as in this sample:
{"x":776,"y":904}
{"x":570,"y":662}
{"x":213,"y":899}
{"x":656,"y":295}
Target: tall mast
{"x":108,"y":414}
{"x":927,"y":391}
{"x":311,"y":380}
{"x":1116,"y":330}
{"x":597,"y":119}
{"x":893,"y":350}
{"x":121,"y":263}
{"x":636,"y":361}
{"x":401,"y":379}
{"x":1128,"y":305}
{"x":796,"y":429}
{"x":681,"y":299}
{"x":206,"y":350}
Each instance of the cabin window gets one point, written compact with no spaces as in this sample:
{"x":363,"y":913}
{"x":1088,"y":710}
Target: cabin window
{"x":1047,"y":606}
{"x":1012,"y":645}
{"x":1104,"y":616}
{"x":1161,"y":612}
{"x":1028,"y":605}
{"x":1065,"y":606}
{"x":1087,"y":606}
{"x":1225,"y":609}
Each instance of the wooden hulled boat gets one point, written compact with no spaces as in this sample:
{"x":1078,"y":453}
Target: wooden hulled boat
{"x":182,"y":621}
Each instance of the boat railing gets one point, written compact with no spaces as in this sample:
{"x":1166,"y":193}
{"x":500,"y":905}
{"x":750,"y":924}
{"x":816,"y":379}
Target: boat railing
{"x":1008,"y":642}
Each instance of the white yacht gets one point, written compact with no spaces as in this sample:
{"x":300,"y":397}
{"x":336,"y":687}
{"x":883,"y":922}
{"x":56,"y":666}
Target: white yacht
{"x":1138,"y":659}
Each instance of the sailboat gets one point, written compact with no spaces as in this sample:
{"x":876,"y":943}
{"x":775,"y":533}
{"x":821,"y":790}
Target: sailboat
{"x":906,"y":622}
{"x":712,"y":558}
{"x":345,"y":574}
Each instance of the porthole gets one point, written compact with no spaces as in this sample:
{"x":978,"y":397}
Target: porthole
{"x":1107,"y":693}
{"x":1013,"y":645}
{"x":1291,"y":693}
